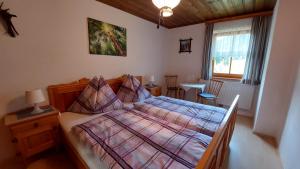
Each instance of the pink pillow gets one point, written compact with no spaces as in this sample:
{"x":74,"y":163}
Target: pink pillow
{"x":97,"y":97}
{"x":132,"y":90}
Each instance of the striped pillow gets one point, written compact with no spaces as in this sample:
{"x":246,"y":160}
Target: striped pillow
{"x":132,"y":90}
{"x":97,"y":97}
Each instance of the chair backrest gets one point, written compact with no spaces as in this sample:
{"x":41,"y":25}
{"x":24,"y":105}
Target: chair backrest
{"x":171,"y":80}
{"x":214,"y":87}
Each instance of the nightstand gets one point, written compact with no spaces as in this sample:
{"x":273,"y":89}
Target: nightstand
{"x":33,"y":133}
{"x":154,"y":90}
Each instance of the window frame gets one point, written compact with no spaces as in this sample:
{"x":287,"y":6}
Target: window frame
{"x":227,"y":75}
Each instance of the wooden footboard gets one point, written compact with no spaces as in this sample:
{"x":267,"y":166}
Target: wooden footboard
{"x":215,"y":154}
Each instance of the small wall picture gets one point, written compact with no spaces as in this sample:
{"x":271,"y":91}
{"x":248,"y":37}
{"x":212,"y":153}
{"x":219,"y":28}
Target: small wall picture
{"x":106,"y":39}
{"x":185,"y":45}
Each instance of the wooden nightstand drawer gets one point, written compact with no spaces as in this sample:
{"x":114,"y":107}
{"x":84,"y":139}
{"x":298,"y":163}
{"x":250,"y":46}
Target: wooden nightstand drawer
{"x":34,"y":124}
{"x":155,"y":91}
{"x":37,"y":140}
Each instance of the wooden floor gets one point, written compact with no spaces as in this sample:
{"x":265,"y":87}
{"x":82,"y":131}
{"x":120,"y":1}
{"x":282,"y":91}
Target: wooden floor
{"x":250,"y":151}
{"x":247,"y":151}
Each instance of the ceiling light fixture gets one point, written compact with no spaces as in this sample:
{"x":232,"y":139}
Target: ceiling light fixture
{"x":165,"y":8}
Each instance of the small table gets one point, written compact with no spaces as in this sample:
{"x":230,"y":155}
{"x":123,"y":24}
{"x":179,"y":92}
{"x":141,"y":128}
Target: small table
{"x":187,"y":86}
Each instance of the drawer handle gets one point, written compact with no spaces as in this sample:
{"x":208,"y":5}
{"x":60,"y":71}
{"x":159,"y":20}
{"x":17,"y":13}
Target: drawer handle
{"x":35,"y":125}
{"x":14,"y":140}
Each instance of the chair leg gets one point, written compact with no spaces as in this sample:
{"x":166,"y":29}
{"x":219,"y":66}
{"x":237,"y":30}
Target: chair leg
{"x":167,"y":94}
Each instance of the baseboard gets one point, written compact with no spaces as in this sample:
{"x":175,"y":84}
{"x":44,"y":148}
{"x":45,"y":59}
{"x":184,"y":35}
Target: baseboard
{"x":244,"y":112}
{"x":269,"y":139}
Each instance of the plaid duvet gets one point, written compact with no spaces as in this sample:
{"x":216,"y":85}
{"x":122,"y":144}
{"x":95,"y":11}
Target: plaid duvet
{"x":202,"y":118}
{"x":132,"y":139}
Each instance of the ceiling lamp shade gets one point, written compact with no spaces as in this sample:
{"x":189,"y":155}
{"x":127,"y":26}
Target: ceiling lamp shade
{"x":165,"y":8}
{"x":166,"y":12}
{"x":166,"y":3}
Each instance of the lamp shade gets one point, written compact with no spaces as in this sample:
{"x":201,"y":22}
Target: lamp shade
{"x":34,"y":96}
{"x":152,"y":79}
{"x":166,"y":3}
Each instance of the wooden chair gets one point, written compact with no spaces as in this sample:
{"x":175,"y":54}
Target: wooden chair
{"x":211,"y":92}
{"x":171,"y":82}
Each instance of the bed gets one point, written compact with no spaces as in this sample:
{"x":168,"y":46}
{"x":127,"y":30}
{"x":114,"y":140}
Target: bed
{"x":62,"y":96}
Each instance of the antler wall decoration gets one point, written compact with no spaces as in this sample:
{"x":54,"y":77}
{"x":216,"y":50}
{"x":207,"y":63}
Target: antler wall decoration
{"x":6,"y":16}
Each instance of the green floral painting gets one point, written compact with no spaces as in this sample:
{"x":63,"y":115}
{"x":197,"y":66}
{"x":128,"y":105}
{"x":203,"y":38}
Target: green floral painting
{"x":106,"y":39}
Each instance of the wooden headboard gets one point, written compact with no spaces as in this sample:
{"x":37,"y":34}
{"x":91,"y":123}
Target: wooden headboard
{"x":61,"y":96}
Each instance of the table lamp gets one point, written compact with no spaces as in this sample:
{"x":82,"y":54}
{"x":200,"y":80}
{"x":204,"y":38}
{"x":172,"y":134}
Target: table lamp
{"x":151,"y":80}
{"x":35,"y":97}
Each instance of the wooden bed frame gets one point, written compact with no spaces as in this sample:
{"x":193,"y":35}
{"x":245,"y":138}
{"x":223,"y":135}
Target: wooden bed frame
{"x":62,"y":96}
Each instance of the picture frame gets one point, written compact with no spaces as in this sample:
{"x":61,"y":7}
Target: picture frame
{"x":185,"y":45}
{"x":106,"y":38}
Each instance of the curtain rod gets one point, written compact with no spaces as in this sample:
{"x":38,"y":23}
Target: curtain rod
{"x":265,"y":13}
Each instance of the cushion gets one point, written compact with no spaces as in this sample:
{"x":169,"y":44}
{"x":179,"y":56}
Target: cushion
{"x":207,"y":95}
{"x":132,"y":90}
{"x":97,"y":97}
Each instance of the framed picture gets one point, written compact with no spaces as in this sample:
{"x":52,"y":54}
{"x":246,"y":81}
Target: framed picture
{"x":185,"y":45}
{"x":106,"y":39}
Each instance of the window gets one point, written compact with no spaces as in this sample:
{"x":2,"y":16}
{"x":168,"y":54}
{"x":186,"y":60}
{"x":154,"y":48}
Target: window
{"x":229,"y":51}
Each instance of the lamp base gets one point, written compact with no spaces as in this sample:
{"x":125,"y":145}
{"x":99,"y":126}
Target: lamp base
{"x":36,"y":109}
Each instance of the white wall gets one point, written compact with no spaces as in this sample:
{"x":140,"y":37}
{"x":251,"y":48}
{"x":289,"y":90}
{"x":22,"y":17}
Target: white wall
{"x":289,"y":147}
{"x":188,"y":65}
{"x":279,"y":76}
{"x":289,"y":143}
{"x":53,"y":48}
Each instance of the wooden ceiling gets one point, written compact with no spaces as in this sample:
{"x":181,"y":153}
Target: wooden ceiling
{"x":190,"y":12}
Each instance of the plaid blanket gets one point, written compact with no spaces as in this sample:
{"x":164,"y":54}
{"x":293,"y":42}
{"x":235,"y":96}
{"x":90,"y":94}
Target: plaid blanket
{"x":132,"y":139}
{"x":202,"y":118}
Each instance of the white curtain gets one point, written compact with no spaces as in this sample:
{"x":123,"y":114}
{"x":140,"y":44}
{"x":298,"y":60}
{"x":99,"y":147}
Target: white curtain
{"x":231,"y":47}
{"x":231,"y":44}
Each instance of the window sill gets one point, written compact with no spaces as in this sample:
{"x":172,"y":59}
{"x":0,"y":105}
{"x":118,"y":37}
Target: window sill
{"x":227,"y":78}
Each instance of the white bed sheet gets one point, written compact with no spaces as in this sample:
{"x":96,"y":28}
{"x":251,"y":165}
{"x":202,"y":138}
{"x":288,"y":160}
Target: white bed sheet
{"x":67,"y":121}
